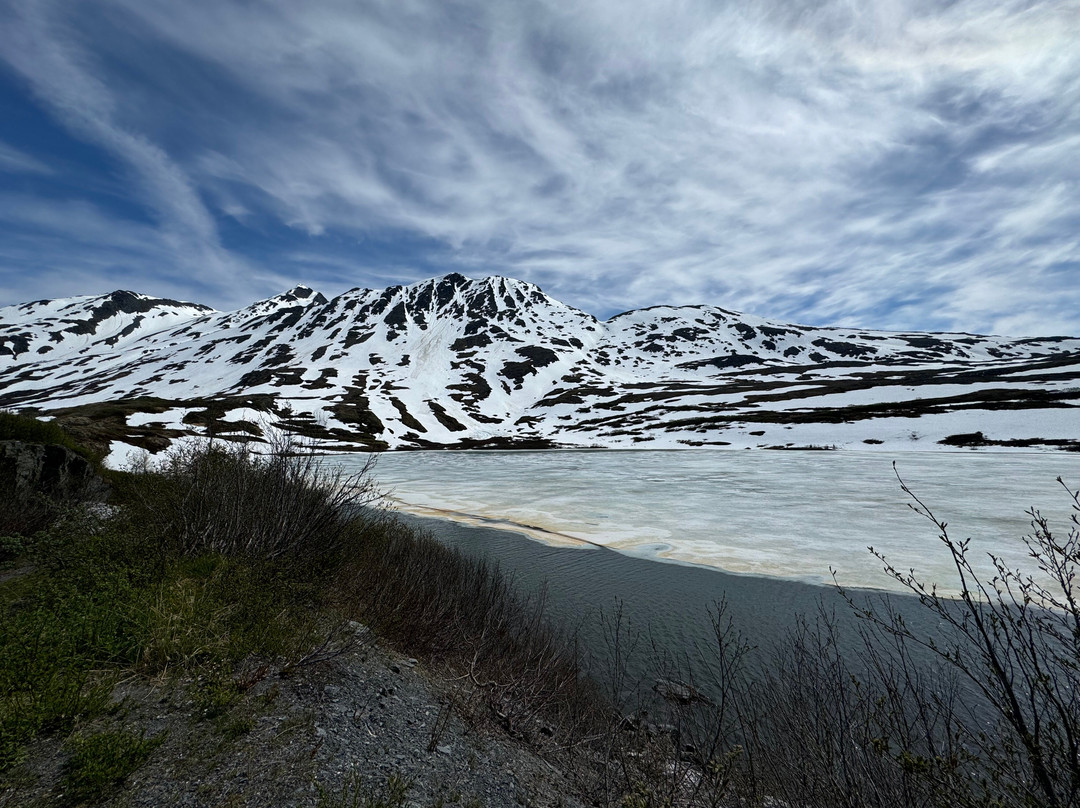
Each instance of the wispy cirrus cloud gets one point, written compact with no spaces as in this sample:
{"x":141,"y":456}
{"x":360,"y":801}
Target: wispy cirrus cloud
{"x":14,"y":161}
{"x":37,"y":43}
{"x":910,"y":164}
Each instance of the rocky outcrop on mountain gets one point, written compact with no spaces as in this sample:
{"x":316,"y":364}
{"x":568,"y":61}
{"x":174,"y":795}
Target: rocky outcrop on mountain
{"x":456,"y":362}
{"x":55,"y":471}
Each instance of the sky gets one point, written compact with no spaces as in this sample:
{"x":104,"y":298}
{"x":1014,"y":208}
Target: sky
{"x":901,"y":164}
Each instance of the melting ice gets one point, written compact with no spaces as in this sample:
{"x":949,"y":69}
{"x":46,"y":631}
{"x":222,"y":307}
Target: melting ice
{"x":783,"y":514}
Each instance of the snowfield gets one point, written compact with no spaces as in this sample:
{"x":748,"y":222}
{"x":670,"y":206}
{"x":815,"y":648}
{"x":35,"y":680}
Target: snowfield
{"x":496,"y":363}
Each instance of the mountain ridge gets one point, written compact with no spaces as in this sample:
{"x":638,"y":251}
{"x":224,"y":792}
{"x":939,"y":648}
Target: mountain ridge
{"x":496,"y":362}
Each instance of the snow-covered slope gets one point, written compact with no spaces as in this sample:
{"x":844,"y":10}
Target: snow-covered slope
{"x":496,"y":362}
{"x":53,"y":328}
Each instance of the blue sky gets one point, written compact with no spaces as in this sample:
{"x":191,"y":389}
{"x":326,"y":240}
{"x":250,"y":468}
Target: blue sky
{"x":896,"y":164}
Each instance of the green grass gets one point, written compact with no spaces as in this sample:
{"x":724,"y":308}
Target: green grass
{"x":354,"y":793}
{"x":218,"y":562}
{"x":100,"y":763}
{"x":31,"y":430}
{"x":103,"y":602}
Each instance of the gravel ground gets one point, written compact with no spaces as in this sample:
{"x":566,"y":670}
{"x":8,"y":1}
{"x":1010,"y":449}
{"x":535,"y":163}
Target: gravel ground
{"x":330,"y":734}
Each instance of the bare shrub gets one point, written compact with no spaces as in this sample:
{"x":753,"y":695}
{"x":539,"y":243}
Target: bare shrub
{"x":818,"y":718}
{"x":976,"y":703}
{"x":1014,"y":640}
{"x":684,"y":741}
{"x":222,"y":497}
{"x":433,"y":601}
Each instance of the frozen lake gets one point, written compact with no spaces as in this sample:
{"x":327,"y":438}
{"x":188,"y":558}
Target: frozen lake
{"x":791,"y":515}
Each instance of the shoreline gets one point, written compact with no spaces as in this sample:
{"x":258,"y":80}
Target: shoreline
{"x":791,"y":517}
{"x":670,"y":604}
{"x":120,"y":452}
{"x":566,"y":541}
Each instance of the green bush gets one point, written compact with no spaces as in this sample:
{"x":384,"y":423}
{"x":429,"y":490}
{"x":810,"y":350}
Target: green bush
{"x":11,"y":546}
{"x":21,"y":516}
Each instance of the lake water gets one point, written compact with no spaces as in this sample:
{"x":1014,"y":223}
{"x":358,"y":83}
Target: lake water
{"x":782,"y":515}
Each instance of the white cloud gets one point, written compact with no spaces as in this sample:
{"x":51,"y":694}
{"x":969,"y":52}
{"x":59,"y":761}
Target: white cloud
{"x":56,"y":248}
{"x":19,"y":162}
{"x":63,"y":76}
{"x":903,"y":164}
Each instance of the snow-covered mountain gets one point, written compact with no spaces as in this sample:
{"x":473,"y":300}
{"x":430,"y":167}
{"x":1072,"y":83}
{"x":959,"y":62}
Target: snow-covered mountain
{"x":454,"y":362}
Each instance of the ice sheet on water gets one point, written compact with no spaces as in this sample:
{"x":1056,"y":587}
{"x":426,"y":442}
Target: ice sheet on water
{"x":785,"y":514}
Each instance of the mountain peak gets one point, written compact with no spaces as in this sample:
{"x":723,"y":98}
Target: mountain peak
{"x":303,"y":292}
{"x":299,"y":295}
{"x":127,"y":302}
{"x":494,"y":362}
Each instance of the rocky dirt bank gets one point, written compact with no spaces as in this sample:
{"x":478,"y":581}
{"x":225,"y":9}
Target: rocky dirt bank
{"x":368,"y":727}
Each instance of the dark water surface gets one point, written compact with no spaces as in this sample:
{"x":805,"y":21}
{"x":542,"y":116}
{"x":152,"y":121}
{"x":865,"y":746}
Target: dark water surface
{"x":670,"y":601}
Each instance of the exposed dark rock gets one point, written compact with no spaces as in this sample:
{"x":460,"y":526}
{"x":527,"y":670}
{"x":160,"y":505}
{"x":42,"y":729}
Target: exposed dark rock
{"x":474,"y":388}
{"x":396,"y":316}
{"x":770,"y":331}
{"x":845,"y":348}
{"x":58,"y":472}
{"x":929,"y":343}
{"x":445,"y":418}
{"x":444,"y":292}
{"x":535,"y":357}
{"x":732,"y":361}
{"x":965,"y":439}
{"x":279,"y":356}
{"x":472,"y":341}
{"x":474,"y":327}
{"x":14,"y":345}
{"x":540,"y":356}
{"x":517,"y":371}
{"x":255,"y":378}
{"x":974,"y":440}
{"x":747,"y":332}
{"x":357,"y":335}
{"x":127,"y":331}
{"x":323,"y":382}
{"x":407,"y":417}
{"x":286,"y":318}
{"x":650,"y":347}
